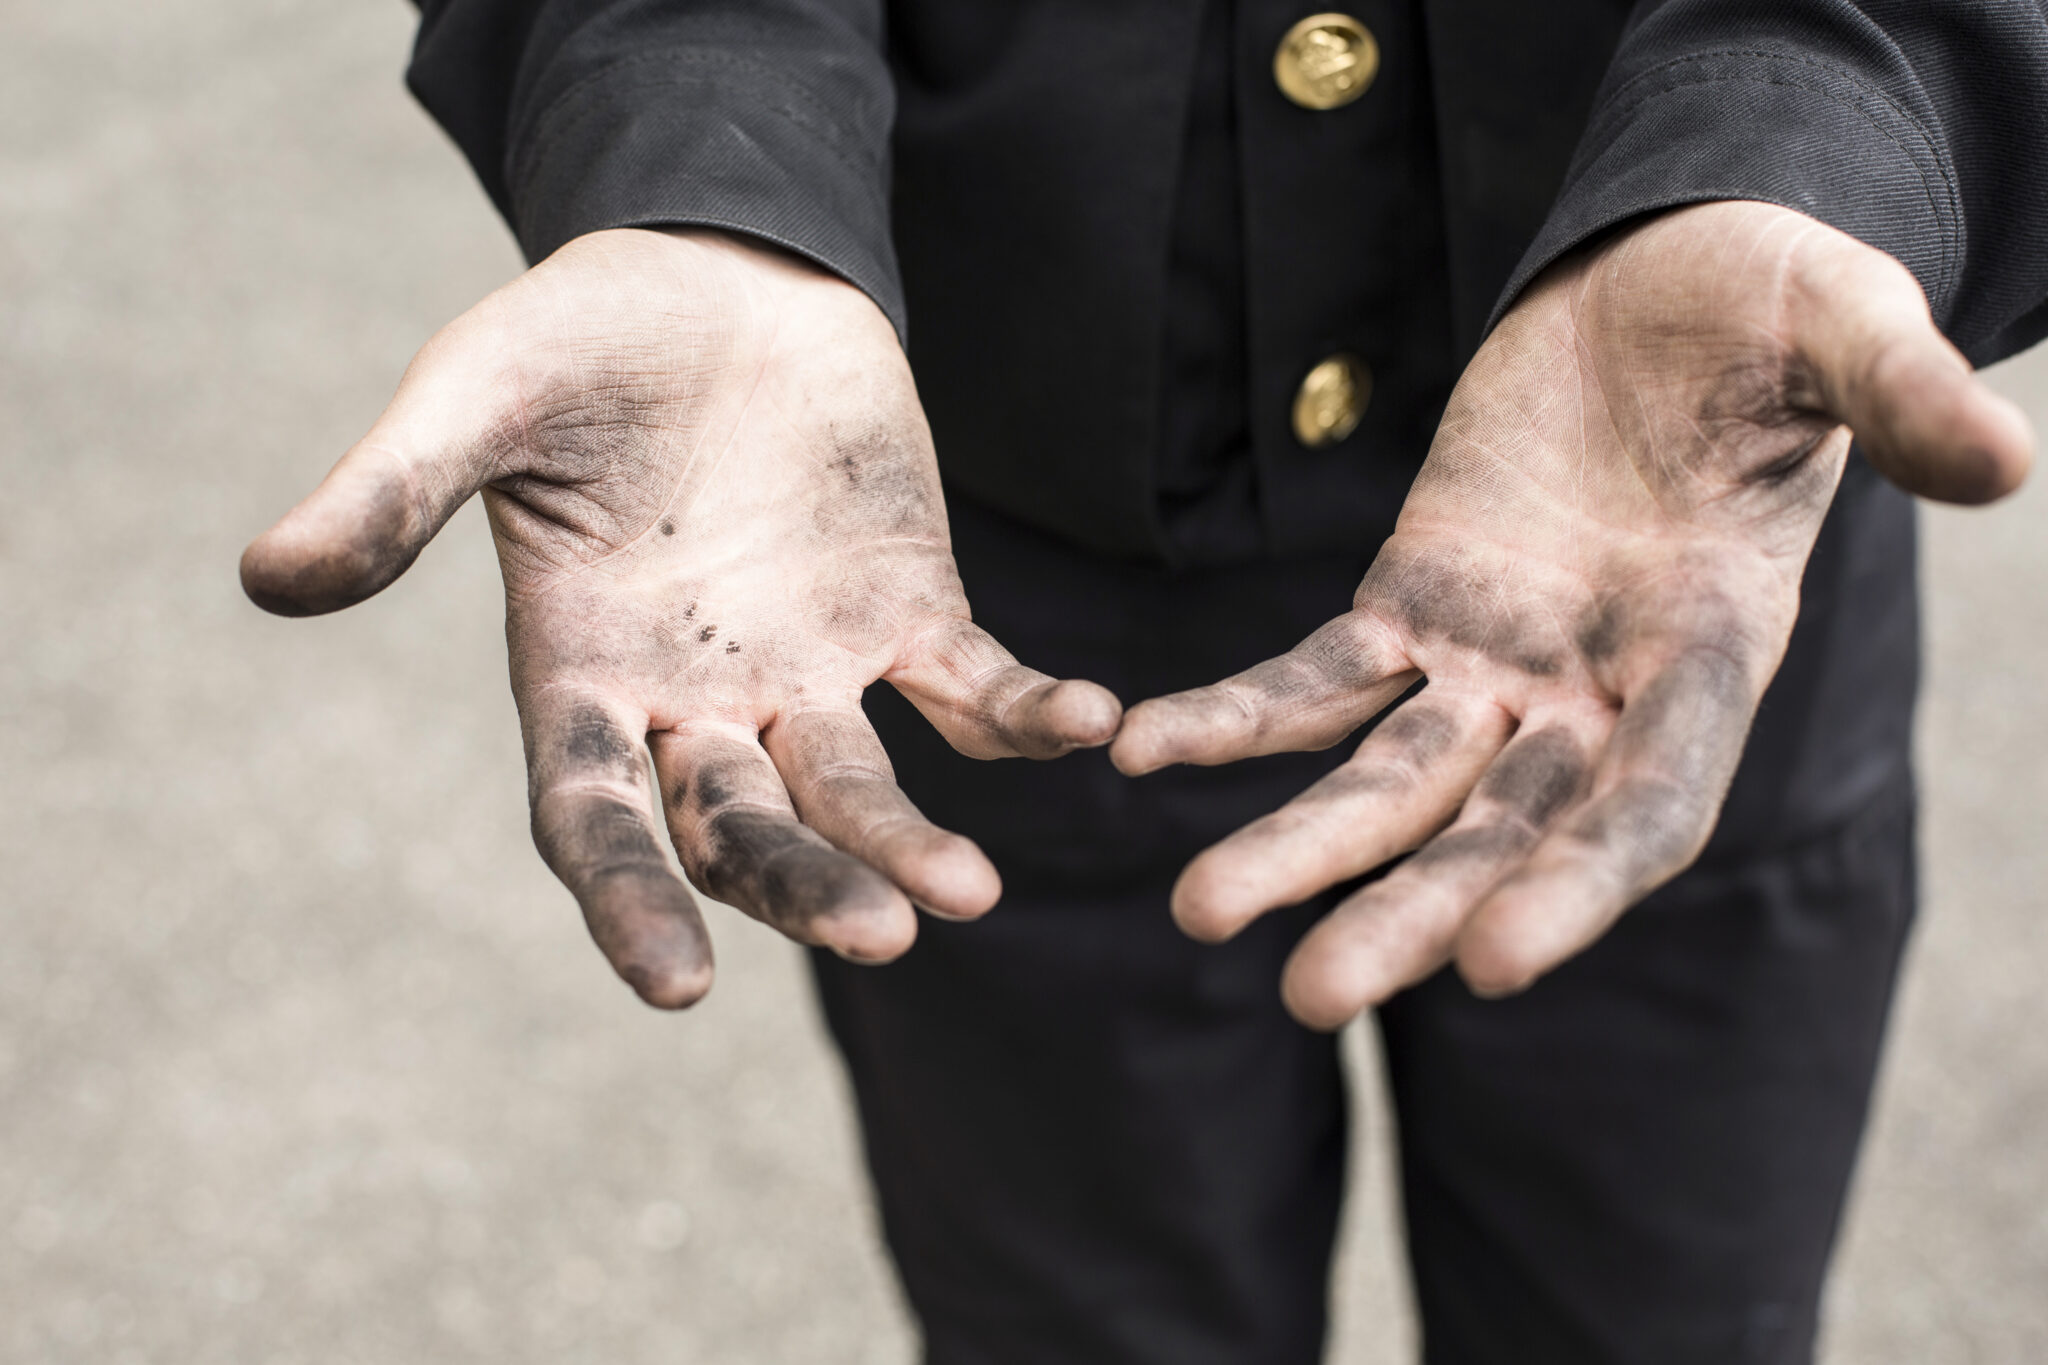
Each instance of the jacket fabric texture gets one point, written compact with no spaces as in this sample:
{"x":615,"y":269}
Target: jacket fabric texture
{"x":1001,"y":178}
{"x":1031,"y":190}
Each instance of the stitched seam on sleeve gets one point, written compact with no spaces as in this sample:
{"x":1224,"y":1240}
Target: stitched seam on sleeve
{"x":869,"y":283}
{"x":1945,"y":203}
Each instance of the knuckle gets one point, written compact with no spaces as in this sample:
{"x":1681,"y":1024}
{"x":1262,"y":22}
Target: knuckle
{"x":592,"y":831}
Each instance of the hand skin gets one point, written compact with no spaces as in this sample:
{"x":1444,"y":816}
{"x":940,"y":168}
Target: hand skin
{"x":718,"y":517}
{"x":1597,"y":572}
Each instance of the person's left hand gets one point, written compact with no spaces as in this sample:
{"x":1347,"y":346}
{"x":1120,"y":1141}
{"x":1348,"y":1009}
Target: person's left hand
{"x":1597,"y":571}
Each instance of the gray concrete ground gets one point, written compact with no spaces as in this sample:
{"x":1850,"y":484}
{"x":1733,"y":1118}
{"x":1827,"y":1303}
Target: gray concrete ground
{"x":303,"y":1058}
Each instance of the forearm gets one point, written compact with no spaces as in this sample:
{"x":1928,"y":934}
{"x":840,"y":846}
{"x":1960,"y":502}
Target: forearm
{"x":768,"y":117}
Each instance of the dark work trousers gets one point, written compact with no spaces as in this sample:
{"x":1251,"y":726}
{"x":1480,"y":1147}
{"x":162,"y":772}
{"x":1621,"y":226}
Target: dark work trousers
{"x":1097,"y":1142}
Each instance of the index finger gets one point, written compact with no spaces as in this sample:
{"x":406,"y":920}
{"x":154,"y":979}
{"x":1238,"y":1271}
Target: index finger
{"x":1308,"y":698}
{"x":987,"y":705}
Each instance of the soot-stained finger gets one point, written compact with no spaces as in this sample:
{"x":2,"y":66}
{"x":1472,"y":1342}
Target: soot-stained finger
{"x":1308,"y":698}
{"x":390,"y":494}
{"x":987,"y":705}
{"x":587,"y":784}
{"x":843,"y":787}
{"x":352,"y":536}
{"x":1395,"y":932}
{"x":1876,"y":360}
{"x":741,"y":843}
{"x":1657,"y":794}
{"x":1406,"y":780}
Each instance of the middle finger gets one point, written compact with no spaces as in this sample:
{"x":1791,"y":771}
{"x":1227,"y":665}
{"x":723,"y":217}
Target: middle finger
{"x":1398,"y":930}
{"x":1406,"y":780}
{"x":741,"y":842}
{"x":843,"y":787}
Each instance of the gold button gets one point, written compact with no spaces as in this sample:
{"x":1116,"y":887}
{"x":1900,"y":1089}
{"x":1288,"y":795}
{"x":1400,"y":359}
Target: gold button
{"x":1331,"y":400}
{"x":1326,"y":60}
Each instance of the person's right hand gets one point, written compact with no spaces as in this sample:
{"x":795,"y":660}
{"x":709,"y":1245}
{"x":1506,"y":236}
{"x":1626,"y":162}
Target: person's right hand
{"x":718,"y":516}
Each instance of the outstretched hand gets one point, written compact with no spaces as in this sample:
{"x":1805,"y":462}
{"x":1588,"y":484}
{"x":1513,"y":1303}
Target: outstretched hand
{"x":718,"y":517}
{"x":1597,"y":572}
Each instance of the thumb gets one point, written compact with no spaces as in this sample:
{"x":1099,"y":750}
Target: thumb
{"x":387,"y":497}
{"x":987,"y":705}
{"x":1920,"y":414}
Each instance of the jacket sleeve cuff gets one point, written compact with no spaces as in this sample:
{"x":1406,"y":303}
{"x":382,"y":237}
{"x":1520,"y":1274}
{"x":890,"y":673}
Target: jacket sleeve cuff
{"x":1768,"y":127}
{"x":701,"y":137}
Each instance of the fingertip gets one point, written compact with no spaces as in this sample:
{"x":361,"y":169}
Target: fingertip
{"x":338,"y":547}
{"x":1978,"y":478}
{"x":1085,"y":714}
{"x":1971,"y":474}
{"x":1137,"y":748}
{"x":880,"y":930}
{"x":646,"y":924}
{"x":668,"y":986}
{"x":1314,"y":991}
{"x":1129,"y":757}
{"x":1335,"y":973}
{"x":648,"y":928}
{"x":1056,"y":718}
{"x":956,"y":881}
{"x":2000,"y":462}
{"x":266,"y":581}
{"x":278,"y":576}
{"x":871,"y":941}
{"x":1934,"y":428}
{"x":1512,"y":938}
{"x":1208,"y":904}
{"x":1491,"y":979}
{"x":1491,"y":967}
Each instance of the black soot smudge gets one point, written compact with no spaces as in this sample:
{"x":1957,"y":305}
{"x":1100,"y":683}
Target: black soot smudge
{"x":1538,"y":776}
{"x":1477,"y":843}
{"x":595,"y":741}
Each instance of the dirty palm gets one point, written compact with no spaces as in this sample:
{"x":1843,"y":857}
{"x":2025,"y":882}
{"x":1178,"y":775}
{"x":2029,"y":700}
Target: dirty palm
{"x":718,"y":516}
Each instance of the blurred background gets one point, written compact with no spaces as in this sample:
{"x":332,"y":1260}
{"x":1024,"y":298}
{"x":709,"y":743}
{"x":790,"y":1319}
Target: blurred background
{"x":303,"y":1056}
